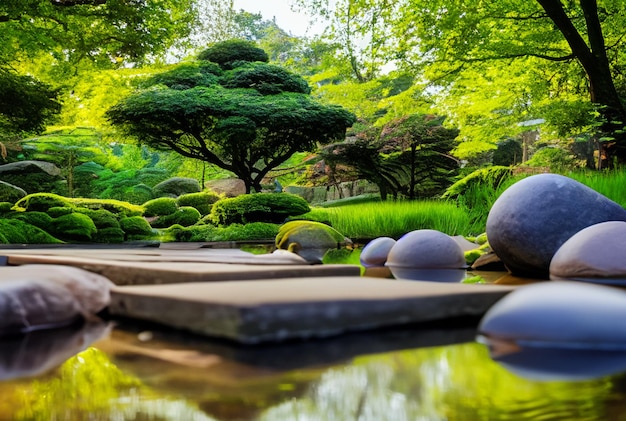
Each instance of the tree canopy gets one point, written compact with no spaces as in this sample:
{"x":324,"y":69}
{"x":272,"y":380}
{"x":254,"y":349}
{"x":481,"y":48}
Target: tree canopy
{"x":244,"y":116}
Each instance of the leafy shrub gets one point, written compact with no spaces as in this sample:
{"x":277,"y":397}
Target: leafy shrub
{"x":102,"y":218}
{"x":15,"y":231}
{"x":74,"y":226}
{"x":553,"y":158}
{"x":202,"y":201}
{"x":41,"y":202}
{"x":135,"y":227}
{"x":185,"y":216}
{"x":228,"y":53}
{"x":160,"y":206}
{"x":258,"y":207}
{"x":175,"y":186}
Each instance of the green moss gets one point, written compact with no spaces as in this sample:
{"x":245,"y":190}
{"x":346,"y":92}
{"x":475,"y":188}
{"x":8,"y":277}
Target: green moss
{"x":259,"y":207}
{"x":5,"y":207}
{"x":136,"y":228}
{"x":15,"y":231}
{"x":41,"y":202}
{"x":184,"y":216}
{"x":109,"y":235}
{"x":160,"y":207}
{"x":57,"y":211}
{"x":236,"y":232}
{"x":116,"y":207}
{"x":202,"y":201}
{"x":38,"y":219}
{"x":74,"y":226}
{"x":102,"y":218}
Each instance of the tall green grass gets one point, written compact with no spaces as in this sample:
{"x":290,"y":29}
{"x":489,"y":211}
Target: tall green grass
{"x":394,"y":218}
{"x":611,"y":184}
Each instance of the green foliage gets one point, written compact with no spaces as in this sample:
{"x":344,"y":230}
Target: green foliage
{"x":489,"y":177}
{"x":608,"y":183}
{"x":176,"y":186}
{"x":15,"y":231}
{"x":160,"y":206}
{"x":268,"y":79}
{"x":508,"y":152}
{"x":258,"y":207}
{"x":552,"y":158}
{"x":185,"y":76}
{"x":39,"y":219}
{"x":251,"y":121}
{"x":117,"y":207}
{"x":57,"y":211}
{"x":232,"y":52}
{"x":102,"y":218}
{"x":184,"y":216}
{"x":74,"y":226}
{"x":236,"y":232}
{"x":202,"y":201}
{"x":135,"y":228}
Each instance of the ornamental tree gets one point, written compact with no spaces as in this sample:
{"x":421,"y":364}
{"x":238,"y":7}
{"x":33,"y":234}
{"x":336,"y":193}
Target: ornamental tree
{"x":244,"y":116}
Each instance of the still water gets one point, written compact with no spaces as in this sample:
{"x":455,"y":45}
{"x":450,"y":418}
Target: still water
{"x":422,"y":372}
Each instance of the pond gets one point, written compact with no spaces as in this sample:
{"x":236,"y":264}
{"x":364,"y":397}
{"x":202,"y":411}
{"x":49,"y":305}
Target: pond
{"x":422,"y":372}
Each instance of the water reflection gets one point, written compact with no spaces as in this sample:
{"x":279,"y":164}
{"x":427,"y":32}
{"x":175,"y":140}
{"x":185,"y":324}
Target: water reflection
{"x":412,"y":374}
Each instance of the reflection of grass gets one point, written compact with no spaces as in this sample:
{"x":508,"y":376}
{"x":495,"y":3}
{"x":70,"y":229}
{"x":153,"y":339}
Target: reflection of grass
{"x":394,"y":218}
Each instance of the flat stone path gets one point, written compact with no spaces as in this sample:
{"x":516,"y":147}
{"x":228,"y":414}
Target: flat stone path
{"x":273,"y":310}
{"x":154,"y":266}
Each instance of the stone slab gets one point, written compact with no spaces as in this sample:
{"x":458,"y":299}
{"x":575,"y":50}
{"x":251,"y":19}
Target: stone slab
{"x":162,"y":271}
{"x":274,"y":310}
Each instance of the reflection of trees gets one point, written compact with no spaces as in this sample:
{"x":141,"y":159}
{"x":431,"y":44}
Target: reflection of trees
{"x":444,"y":383}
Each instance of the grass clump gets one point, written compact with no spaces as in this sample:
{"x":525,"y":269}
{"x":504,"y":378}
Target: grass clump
{"x":393,"y":218}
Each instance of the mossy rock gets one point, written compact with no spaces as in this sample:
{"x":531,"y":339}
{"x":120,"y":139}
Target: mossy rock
{"x":160,"y":207}
{"x":74,"y":226}
{"x":15,"y":231}
{"x":101,"y":218}
{"x":258,"y":207}
{"x":117,"y":207}
{"x":109,"y":235}
{"x":5,"y":207}
{"x":184,"y":216}
{"x":38,"y":219}
{"x":41,"y":202}
{"x":176,"y":186}
{"x":136,"y":228}
{"x":57,"y":211}
{"x":202,"y":201}
{"x":311,"y":240}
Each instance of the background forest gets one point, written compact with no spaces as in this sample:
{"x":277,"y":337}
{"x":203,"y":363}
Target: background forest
{"x":441,"y":100}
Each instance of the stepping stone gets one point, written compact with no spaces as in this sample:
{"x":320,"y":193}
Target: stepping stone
{"x":162,"y":271}
{"x":274,"y":310}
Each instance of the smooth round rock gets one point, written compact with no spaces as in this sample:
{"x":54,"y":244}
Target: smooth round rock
{"x":559,"y":314}
{"x":375,"y":253}
{"x":423,"y":254}
{"x":535,"y":216}
{"x":594,"y":254}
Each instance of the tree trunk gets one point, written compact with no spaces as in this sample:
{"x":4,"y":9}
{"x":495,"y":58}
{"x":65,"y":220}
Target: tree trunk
{"x":592,"y":57}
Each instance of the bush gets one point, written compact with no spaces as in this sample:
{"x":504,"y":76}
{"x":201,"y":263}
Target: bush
{"x":185,"y":216}
{"x":176,"y":186}
{"x":15,"y":231}
{"x":258,"y":207}
{"x":489,"y":177}
{"x":235,"y":232}
{"x":57,"y":211}
{"x":202,"y":201}
{"x":102,"y":218}
{"x":160,"y":207}
{"x":5,"y":207}
{"x":116,"y":207}
{"x":74,"y":226}
{"x":135,"y":228}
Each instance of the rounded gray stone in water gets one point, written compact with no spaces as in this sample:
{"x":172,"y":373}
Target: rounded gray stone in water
{"x":375,"y":253}
{"x":594,"y":254}
{"x":559,"y":314}
{"x":428,"y":255}
{"x":535,"y":216}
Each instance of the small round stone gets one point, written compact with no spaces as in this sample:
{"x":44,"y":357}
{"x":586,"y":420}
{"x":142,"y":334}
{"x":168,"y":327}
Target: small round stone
{"x":595,"y":254}
{"x":427,"y":255}
{"x":375,"y":253}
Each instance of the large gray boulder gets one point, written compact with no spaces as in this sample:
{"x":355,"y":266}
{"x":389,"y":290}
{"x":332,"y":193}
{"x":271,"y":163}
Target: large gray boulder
{"x":534,"y":217}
